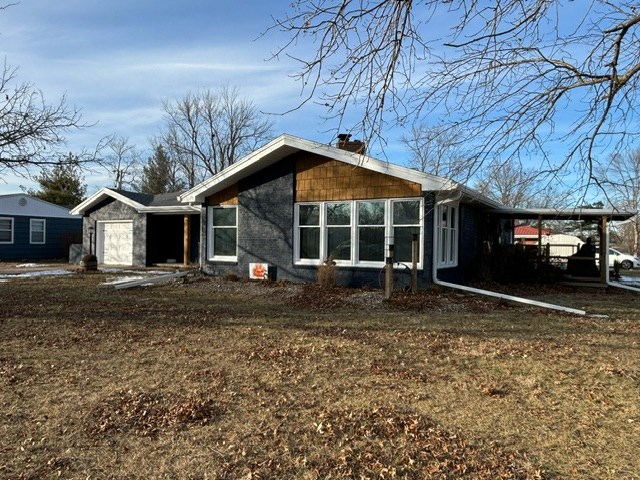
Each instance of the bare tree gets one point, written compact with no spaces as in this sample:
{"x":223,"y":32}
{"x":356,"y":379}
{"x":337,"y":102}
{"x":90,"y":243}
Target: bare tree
{"x":503,"y":72}
{"x":621,"y":179}
{"x":511,"y":184}
{"x":438,"y":151}
{"x":208,"y":131}
{"x":30,"y":128}
{"x":122,"y":162}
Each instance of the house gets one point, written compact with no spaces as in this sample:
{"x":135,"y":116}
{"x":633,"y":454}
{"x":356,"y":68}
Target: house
{"x":136,"y":229}
{"x":32,"y":229}
{"x":528,"y":235}
{"x":559,"y":244}
{"x":295,"y":204}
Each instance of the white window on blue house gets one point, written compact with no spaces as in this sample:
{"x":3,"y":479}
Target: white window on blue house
{"x":37,"y":231}
{"x":338,"y":231}
{"x":353,"y":233}
{"x":6,"y":230}
{"x":406,"y":224}
{"x":223,"y":238}
{"x":309,"y":233}
{"x":447,"y":232}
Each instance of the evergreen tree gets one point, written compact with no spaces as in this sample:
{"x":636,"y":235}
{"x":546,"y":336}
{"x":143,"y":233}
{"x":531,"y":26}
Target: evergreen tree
{"x":160,"y":174}
{"x":62,"y":183}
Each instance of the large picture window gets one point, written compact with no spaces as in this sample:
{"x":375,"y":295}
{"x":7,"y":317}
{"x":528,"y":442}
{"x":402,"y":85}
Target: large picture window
{"x":447,"y":225}
{"x":37,"y":231}
{"x":354,"y":232}
{"x":6,"y":230}
{"x":223,"y":240}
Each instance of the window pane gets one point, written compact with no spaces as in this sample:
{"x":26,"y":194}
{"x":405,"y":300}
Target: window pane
{"x":371,"y":213}
{"x":339,"y":243}
{"x":371,"y":244}
{"x":403,"y":238}
{"x":224,"y":217}
{"x":5,"y":229}
{"x":452,"y":217}
{"x":309,"y":215}
{"x":310,"y":243}
{"x":339,"y":214}
{"x":37,"y":231}
{"x":224,"y":242}
{"x":406,"y":213}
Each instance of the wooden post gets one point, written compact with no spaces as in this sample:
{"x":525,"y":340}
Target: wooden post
{"x":539,"y":259}
{"x":604,"y":260}
{"x":388,"y":274}
{"x":415,"y":253}
{"x":187,"y":243}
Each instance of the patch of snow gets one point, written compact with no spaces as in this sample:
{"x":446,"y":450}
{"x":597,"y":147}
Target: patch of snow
{"x":117,"y":280}
{"x":40,"y":273}
{"x":31,"y":265}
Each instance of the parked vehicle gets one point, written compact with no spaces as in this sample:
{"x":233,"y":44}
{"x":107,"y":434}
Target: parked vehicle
{"x":626,"y":261}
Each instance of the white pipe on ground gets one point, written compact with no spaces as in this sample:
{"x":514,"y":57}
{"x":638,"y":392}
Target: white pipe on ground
{"x":489,"y":293}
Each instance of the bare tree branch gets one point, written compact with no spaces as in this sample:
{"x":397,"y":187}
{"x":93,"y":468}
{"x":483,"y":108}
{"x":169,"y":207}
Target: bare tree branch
{"x":30,"y":128}
{"x":208,"y":131}
{"x":507,"y":73}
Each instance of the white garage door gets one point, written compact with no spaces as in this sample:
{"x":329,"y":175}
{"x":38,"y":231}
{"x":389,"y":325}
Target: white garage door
{"x":116,"y":243}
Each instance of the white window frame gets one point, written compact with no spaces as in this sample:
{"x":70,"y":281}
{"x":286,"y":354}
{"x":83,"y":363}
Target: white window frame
{"x":32,"y":222}
{"x":354,"y":262}
{"x":210,"y":235}
{"x":447,"y":235}
{"x":11,"y":229}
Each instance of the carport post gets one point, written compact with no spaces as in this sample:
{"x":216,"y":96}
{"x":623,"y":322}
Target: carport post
{"x":187,"y":253}
{"x":603,"y":253}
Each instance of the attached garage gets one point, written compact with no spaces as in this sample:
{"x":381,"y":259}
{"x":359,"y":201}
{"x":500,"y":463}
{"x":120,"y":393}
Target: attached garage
{"x":134,"y":229}
{"x":114,"y":243}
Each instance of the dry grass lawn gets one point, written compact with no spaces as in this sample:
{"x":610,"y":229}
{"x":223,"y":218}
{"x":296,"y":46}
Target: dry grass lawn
{"x":233,"y":380}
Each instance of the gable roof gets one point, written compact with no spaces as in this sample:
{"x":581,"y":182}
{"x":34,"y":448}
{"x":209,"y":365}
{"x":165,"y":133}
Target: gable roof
{"x":286,"y":145}
{"x":141,"y":202}
{"x":22,"y":204}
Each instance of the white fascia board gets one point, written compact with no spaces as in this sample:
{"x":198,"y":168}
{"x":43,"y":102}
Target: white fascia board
{"x":102,"y":195}
{"x":568,"y":213}
{"x":170,"y":210}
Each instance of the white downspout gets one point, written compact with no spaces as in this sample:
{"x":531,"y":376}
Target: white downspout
{"x":488,"y":293}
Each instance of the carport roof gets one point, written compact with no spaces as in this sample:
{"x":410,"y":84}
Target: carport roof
{"x":566,"y":214}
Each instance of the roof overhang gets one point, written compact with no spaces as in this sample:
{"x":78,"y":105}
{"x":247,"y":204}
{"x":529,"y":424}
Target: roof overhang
{"x":99,"y":197}
{"x":286,"y":145}
{"x":565,"y":214}
{"x":107,"y":193}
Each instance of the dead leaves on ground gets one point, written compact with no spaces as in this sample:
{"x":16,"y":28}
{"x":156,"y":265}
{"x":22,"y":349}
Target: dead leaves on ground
{"x":147,"y":414}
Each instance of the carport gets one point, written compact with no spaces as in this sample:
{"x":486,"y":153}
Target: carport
{"x":601,"y":217}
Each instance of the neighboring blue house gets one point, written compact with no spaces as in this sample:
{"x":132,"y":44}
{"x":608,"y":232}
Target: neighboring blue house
{"x":32,"y":229}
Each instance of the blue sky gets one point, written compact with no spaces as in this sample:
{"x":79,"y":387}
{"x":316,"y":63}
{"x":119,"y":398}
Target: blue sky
{"x":117,"y":61}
